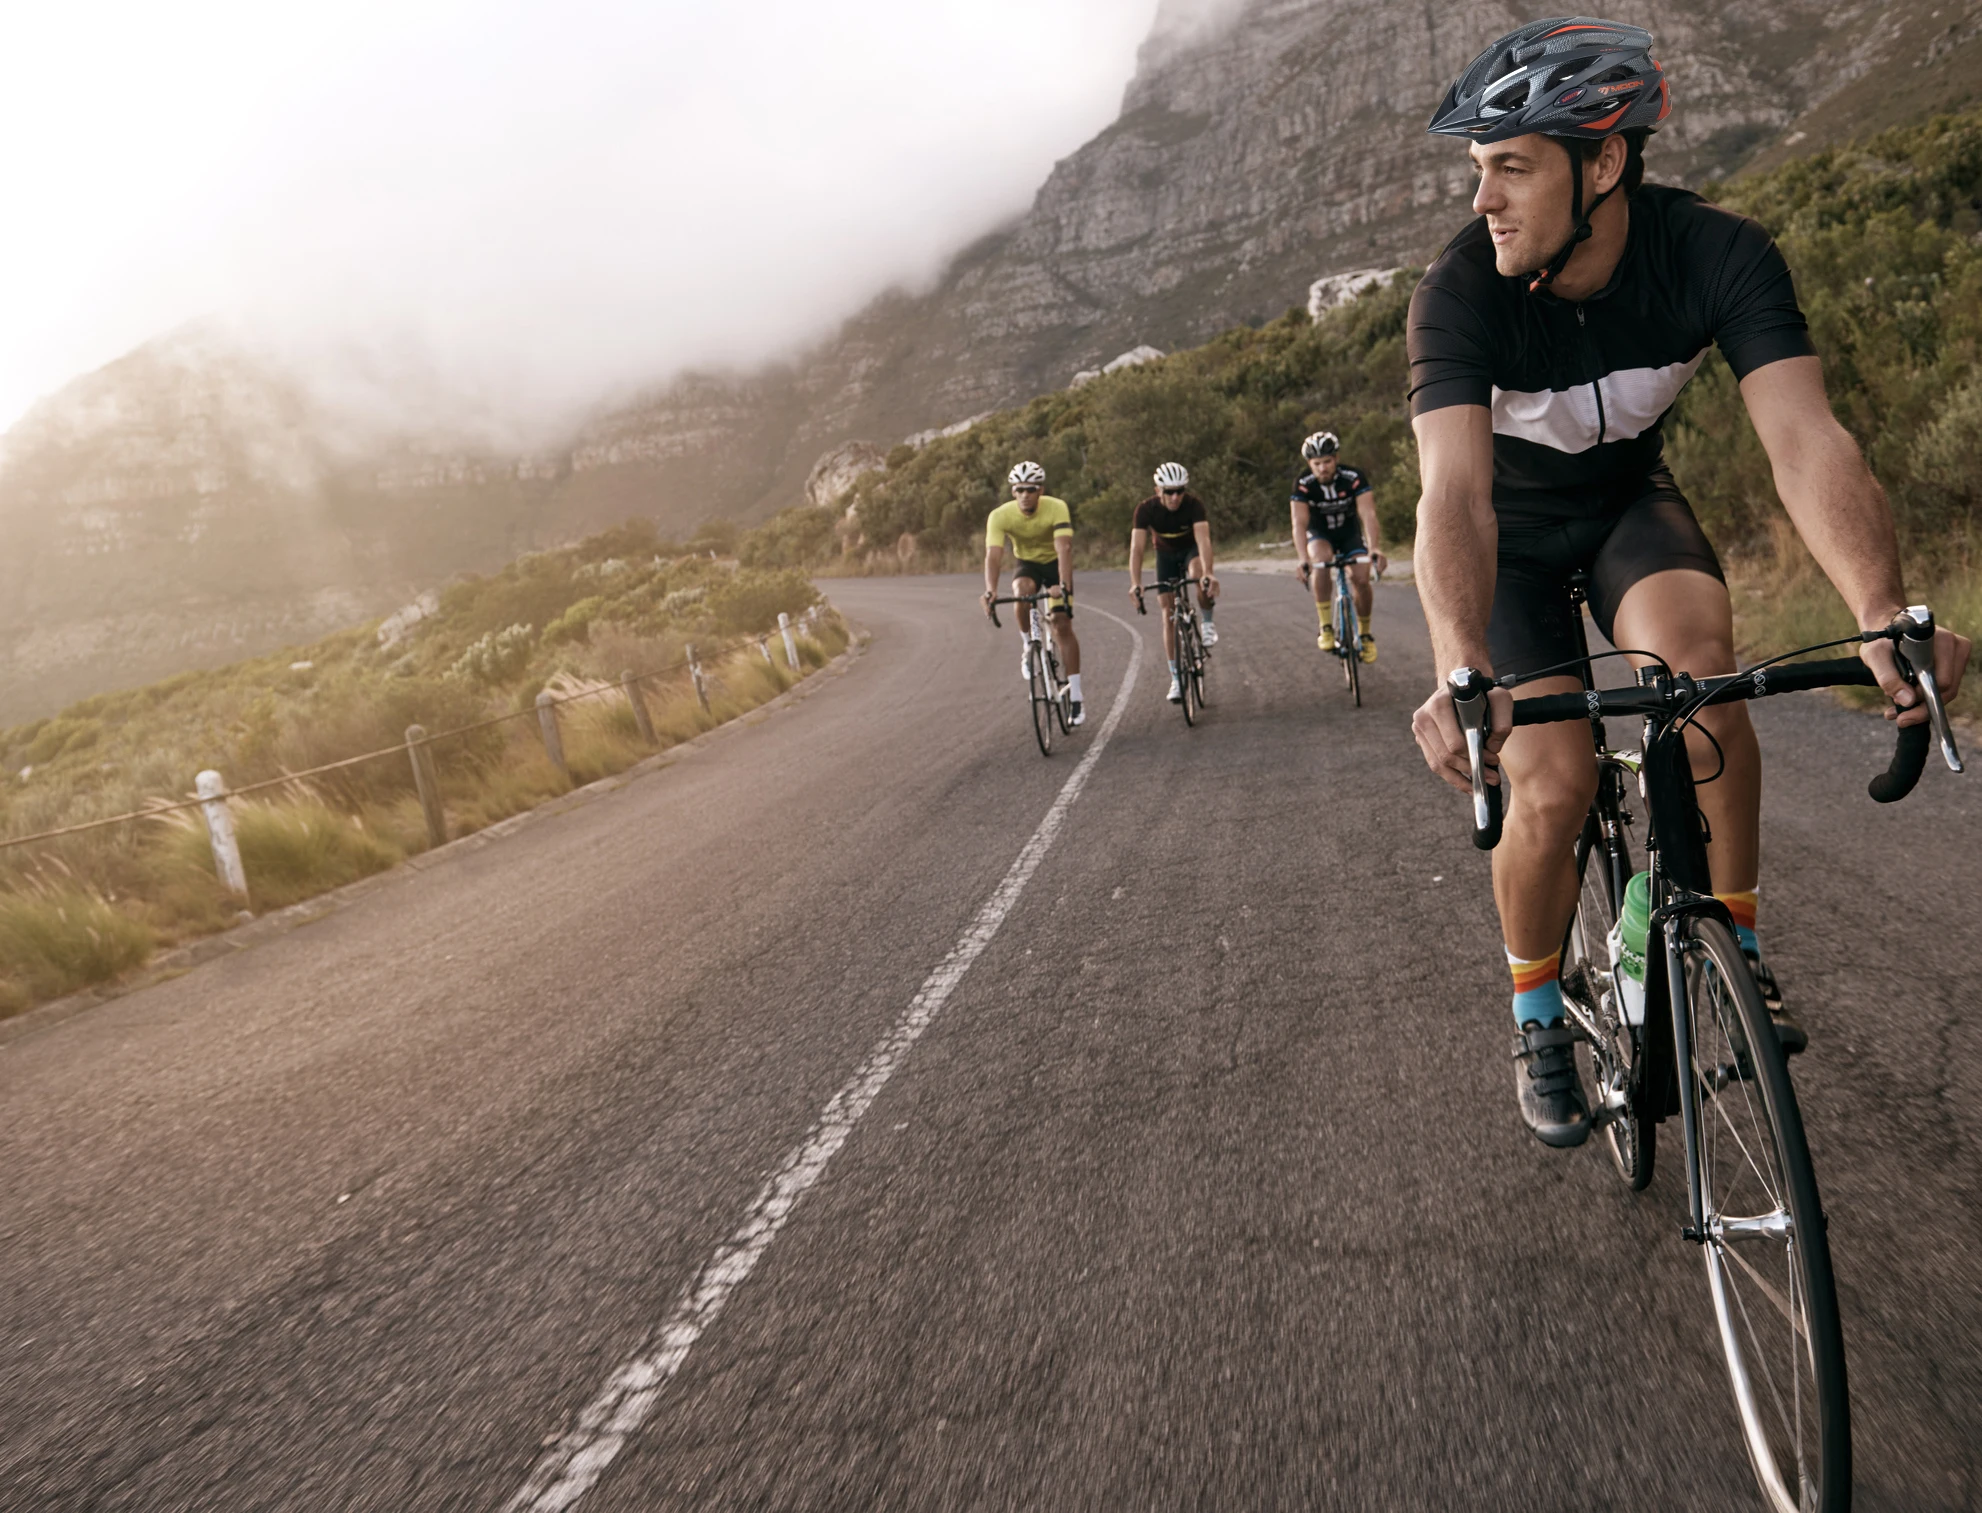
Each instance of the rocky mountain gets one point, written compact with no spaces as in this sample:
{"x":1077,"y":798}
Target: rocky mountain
{"x":190,"y":503}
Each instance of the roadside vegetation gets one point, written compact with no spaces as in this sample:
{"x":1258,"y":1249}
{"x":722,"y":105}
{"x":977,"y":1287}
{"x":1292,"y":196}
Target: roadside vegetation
{"x":87,"y":907}
{"x":1885,"y":237}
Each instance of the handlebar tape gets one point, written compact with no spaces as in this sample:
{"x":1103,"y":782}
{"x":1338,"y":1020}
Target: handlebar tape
{"x":1909,"y":761}
{"x":1488,"y":838}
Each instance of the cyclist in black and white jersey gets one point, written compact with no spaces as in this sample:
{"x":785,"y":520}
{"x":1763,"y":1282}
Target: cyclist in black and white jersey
{"x":1546,"y":344}
{"x":1334,"y":512}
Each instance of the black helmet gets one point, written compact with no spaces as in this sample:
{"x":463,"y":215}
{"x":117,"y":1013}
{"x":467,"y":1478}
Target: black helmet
{"x":1571,"y":76}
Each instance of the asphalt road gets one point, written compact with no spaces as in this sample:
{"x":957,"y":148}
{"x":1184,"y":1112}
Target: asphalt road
{"x":1204,"y":1189}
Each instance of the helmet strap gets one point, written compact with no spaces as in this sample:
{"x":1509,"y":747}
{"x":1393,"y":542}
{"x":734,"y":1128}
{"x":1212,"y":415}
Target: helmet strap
{"x":1577,"y":213}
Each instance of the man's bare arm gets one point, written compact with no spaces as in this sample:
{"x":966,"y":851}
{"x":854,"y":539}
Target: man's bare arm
{"x":1372,"y":534}
{"x":1136,"y":538}
{"x":1841,"y":513}
{"x":994,"y":564}
{"x":1457,"y":533}
{"x":1202,"y":530}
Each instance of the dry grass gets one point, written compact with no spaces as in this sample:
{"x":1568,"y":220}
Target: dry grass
{"x":91,"y":906}
{"x":54,"y":940}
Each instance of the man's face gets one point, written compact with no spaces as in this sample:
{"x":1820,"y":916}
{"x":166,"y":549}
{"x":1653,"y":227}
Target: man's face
{"x":1524,"y":192}
{"x":1323,"y":468}
{"x":1027,"y":495}
{"x":1172,"y":498}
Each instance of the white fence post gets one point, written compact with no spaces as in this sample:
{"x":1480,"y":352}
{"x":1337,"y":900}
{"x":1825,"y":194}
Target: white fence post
{"x":791,"y":645}
{"x":212,"y":789}
{"x":764,"y":645}
{"x":695,"y":673}
{"x":547,"y":727}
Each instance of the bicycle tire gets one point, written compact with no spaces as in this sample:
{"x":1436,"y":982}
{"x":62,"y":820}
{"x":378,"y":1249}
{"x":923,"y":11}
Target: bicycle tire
{"x":1774,"y":1295}
{"x":1187,"y":674}
{"x":1062,"y":695}
{"x":1042,"y":700}
{"x":1618,"y":1067}
{"x":1200,"y":660}
{"x":1350,"y":640}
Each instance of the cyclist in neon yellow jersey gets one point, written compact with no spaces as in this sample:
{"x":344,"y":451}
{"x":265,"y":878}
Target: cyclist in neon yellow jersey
{"x":1040,"y":533}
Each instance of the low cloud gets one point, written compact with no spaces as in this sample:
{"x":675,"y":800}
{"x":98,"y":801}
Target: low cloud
{"x":487,"y":217}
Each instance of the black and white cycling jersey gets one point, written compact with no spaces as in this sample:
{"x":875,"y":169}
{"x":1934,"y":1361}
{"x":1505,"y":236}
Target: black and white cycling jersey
{"x":1579,"y":390}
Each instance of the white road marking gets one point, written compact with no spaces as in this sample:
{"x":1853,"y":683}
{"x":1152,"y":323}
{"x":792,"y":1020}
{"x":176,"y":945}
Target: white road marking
{"x":580,"y":1455}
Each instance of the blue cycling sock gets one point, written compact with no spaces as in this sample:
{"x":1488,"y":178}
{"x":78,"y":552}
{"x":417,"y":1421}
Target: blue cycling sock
{"x":1173,"y":668}
{"x":1537,"y":989}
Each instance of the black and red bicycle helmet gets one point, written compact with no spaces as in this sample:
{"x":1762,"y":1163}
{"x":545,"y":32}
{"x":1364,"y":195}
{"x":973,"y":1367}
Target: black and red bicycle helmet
{"x":1570,"y":76}
{"x":1573,"y":78}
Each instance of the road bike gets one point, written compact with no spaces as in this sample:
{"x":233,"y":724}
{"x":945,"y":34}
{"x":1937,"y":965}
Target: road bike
{"x":1046,"y":688}
{"x":1704,"y":1048}
{"x":1348,"y":624}
{"x":1193,"y":657}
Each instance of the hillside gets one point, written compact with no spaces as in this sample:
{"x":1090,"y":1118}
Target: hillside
{"x":1885,"y":237}
{"x":192,"y":503}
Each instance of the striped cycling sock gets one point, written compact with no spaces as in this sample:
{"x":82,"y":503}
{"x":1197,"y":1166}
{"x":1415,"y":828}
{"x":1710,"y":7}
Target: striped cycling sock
{"x":1742,"y":907}
{"x":1537,"y":994}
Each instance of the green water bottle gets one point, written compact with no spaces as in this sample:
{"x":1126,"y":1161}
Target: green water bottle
{"x":1627,"y":948}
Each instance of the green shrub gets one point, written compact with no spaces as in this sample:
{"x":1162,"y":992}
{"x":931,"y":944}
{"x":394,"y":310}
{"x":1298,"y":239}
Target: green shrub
{"x":294,"y":851}
{"x":751,"y":599}
{"x":575,"y":624}
{"x":497,"y":657}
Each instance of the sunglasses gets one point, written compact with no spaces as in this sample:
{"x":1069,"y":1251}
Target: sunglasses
{"x":1172,"y":493}
{"x":1026,"y":488}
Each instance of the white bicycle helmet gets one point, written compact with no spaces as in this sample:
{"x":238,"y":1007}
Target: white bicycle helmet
{"x":1321,"y":444}
{"x":1027,"y":473}
{"x":1172,"y":476}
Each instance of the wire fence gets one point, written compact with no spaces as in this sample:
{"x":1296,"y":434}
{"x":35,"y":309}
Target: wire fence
{"x":689,"y":663}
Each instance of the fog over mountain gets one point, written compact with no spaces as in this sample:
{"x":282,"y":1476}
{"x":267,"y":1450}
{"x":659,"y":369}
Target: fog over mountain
{"x":531,"y":317}
{"x":502,"y":213}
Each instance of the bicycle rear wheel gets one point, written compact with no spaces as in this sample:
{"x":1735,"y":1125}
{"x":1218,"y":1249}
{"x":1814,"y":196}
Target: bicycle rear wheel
{"x":1767,"y":1253}
{"x":1062,"y":695}
{"x":1042,"y":701}
{"x":1613,"y":1056}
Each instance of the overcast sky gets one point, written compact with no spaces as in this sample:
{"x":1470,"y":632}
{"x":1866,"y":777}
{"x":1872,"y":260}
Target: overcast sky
{"x":535,"y":202}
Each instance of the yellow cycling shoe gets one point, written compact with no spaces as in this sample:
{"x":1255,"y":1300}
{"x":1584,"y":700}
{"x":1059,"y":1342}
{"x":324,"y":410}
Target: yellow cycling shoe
{"x":1366,"y":649}
{"x":1326,"y":640}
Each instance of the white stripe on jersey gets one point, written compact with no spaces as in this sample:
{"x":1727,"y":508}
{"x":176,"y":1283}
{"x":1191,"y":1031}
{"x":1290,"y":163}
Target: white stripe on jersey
{"x":1567,"y":419}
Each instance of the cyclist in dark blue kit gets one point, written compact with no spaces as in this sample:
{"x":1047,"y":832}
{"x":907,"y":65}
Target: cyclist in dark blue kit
{"x":1547,"y":343}
{"x":1334,"y":512}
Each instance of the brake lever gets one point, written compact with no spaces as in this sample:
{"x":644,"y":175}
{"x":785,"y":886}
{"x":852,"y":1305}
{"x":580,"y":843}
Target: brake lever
{"x":1469,"y":701}
{"x":1915,"y":644}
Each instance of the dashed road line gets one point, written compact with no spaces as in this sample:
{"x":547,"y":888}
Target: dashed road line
{"x":580,"y":1456}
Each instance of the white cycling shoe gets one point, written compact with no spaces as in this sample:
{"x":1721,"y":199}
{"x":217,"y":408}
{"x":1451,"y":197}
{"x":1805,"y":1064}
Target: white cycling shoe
{"x":1025,"y":666}
{"x":1176,"y":694}
{"x":1210,"y":635}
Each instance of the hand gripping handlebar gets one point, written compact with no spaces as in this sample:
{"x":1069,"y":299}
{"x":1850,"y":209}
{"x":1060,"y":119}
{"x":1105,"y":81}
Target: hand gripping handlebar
{"x":1469,"y":700}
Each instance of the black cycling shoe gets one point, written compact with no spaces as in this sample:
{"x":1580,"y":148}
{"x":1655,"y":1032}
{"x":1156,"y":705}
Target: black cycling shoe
{"x":1546,"y":1084}
{"x":1793,"y":1036}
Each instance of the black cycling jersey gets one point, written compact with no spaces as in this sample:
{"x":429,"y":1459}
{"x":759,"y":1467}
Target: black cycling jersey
{"x":1172,"y":528}
{"x":1331,"y":505}
{"x":1579,"y":391}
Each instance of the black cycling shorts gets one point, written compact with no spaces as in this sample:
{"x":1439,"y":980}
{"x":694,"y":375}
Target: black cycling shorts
{"x":1177,"y":564}
{"x":1044,"y":575}
{"x":1346,"y":537}
{"x":1533,"y":624}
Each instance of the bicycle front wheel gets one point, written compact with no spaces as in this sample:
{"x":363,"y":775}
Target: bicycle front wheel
{"x":1352,"y":658}
{"x":1042,"y":702}
{"x":1768,"y":1256}
{"x":1187,"y":655}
